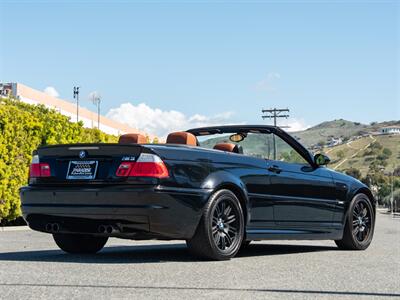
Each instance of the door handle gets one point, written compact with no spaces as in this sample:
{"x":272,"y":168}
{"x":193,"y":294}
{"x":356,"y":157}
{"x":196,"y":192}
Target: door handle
{"x":274,"y":169}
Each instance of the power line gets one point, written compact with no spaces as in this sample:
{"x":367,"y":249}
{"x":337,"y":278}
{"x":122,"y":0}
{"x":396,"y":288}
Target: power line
{"x":275,"y":113}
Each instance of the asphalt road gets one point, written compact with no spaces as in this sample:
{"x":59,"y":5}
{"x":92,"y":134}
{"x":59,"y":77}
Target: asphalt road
{"x":31,"y":267}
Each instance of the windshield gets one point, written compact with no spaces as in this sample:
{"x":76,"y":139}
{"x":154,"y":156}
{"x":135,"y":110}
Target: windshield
{"x":261,"y":145}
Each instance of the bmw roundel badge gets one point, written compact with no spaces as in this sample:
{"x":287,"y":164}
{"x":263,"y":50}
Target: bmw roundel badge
{"x":82,"y":154}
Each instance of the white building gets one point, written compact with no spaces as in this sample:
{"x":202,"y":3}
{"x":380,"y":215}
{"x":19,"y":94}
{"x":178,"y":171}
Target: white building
{"x":390,"y":130}
{"x":89,"y":118}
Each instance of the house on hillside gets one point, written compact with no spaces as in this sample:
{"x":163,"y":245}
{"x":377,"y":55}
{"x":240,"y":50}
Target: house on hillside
{"x":390,"y":130}
{"x":334,"y":142}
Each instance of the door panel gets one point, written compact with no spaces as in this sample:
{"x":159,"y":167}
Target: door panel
{"x":302,"y":196}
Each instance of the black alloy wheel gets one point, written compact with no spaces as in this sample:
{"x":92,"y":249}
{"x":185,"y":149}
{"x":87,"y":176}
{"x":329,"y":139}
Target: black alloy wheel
{"x":361,"y":221}
{"x":220,"y":232}
{"x":225,"y":224}
{"x":359,"y":226}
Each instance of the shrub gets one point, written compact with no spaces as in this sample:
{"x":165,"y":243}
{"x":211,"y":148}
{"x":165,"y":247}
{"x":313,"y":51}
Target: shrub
{"x":23,"y":128}
{"x":386,"y":152}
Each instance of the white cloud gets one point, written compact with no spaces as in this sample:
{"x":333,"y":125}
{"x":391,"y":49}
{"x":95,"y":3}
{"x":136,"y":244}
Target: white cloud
{"x":51,"y":91}
{"x":294,"y":125}
{"x":159,"y":122}
{"x":267,"y":84}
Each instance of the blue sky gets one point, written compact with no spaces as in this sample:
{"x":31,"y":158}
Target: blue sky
{"x":210,"y":62}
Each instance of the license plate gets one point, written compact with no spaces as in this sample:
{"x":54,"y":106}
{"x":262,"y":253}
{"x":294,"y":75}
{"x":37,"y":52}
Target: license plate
{"x":79,"y":169}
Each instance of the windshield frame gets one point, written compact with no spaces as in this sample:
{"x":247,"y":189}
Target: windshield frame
{"x":267,"y":129}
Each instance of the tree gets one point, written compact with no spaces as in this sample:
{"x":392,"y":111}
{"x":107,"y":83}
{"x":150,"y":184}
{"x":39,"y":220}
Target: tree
{"x":386,"y":152}
{"x":340,"y":154}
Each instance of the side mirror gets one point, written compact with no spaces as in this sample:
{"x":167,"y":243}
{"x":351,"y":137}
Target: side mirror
{"x":321,"y":159}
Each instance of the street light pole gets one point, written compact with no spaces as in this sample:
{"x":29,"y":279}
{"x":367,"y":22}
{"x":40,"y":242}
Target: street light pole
{"x":98,"y":113}
{"x":76,"y":96}
{"x":96,"y":99}
{"x":392,"y":199}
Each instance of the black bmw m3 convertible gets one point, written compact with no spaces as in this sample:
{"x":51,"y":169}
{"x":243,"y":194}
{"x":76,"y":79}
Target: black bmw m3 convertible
{"x":218,"y":188}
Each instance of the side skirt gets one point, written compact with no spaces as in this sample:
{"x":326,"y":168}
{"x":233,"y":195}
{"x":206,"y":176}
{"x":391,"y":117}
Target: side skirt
{"x":293,"y":234}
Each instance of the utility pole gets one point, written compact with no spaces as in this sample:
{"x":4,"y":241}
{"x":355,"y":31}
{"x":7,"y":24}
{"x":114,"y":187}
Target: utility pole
{"x":76,"y":96}
{"x":96,"y":99}
{"x":391,"y":196}
{"x":274,"y":114}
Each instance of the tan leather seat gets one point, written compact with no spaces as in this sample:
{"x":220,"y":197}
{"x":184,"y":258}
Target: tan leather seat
{"x":228,"y":147}
{"x":182,"y":137}
{"x":132,"y":138}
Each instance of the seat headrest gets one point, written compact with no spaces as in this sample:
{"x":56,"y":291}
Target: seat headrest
{"x":132,"y":138}
{"x":182,"y":137}
{"x":228,"y":147}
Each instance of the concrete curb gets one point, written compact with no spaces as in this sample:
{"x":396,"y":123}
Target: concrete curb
{"x":14,"y":228}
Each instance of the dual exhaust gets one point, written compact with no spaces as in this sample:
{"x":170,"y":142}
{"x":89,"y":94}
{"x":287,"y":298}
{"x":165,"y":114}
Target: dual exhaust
{"x":108,"y":229}
{"x":52,"y":227}
{"x":104,"y":229}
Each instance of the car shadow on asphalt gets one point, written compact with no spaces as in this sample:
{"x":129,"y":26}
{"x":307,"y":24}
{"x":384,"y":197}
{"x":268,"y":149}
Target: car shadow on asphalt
{"x":152,"y":253}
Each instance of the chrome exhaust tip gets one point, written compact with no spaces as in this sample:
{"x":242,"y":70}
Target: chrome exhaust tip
{"x":56,"y":227}
{"x":49,"y":227}
{"x":101,"y":229}
{"x":110,"y":229}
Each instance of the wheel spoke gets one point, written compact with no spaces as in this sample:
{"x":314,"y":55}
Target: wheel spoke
{"x":228,"y":239}
{"x":218,"y":211}
{"x":364,"y":212}
{"x":232,"y":229}
{"x":360,"y":235}
{"x":355,"y":214}
{"x":223,"y":246}
{"x":228,"y":210}
{"x":222,"y":208}
{"x":355,"y":231}
{"x":231,"y":219}
{"x":217,"y":238}
{"x":214,"y":230}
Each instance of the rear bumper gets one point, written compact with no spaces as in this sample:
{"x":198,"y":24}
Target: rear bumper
{"x":146,"y":212}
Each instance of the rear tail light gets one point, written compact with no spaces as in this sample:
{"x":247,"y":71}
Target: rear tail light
{"x":147,"y":165}
{"x":124,"y":169}
{"x":38,"y":169}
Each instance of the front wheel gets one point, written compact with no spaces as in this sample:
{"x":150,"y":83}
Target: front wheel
{"x":79,"y":243}
{"x":359,"y":225}
{"x":221,"y":229}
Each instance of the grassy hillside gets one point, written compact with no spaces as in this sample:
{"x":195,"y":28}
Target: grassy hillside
{"x":338,"y":129}
{"x":359,"y":154}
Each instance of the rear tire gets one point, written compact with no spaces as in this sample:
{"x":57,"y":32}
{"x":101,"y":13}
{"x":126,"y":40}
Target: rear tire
{"x":359,"y":226}
{"x":221,"y":229}
{"x":79,"y":243}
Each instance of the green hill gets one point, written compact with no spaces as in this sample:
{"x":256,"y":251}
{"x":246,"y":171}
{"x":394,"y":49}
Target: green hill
{"x":343,"y":129}
{"x":363,"y":152}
